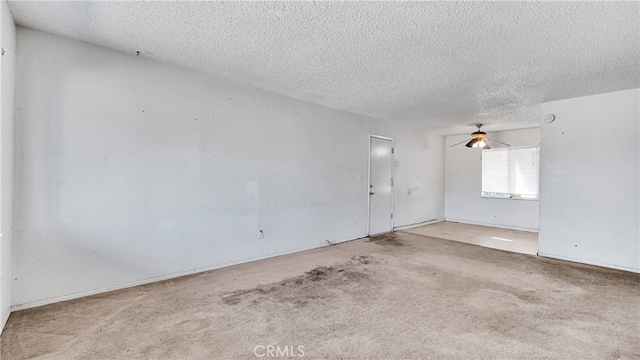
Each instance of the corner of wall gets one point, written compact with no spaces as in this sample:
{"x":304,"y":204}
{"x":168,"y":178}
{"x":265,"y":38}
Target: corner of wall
{"x":4,"y":319}
{"x":7,"y":100}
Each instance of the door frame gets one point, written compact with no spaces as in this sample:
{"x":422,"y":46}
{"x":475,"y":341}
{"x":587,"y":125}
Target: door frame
{"x":369,"y":182}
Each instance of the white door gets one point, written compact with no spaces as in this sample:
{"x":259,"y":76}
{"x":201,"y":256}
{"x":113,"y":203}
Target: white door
{"x":380,"y":185}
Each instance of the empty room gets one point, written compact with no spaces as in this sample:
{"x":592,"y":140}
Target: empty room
{"x":323,"y":180}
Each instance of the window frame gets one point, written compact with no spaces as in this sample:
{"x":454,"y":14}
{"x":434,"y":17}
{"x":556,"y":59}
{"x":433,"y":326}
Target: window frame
{"x":509,"y":196}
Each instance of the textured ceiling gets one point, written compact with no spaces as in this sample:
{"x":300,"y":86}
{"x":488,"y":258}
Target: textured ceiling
{"x":439,"y":65}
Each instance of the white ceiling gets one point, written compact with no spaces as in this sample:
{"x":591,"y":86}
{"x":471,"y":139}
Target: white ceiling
{"x":439,"y":65}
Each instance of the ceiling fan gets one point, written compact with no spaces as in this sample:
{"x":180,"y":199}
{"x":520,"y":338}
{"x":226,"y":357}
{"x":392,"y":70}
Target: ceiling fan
{"x":479,"y":139}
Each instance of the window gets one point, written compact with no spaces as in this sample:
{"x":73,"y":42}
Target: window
{"x":511,"y":173}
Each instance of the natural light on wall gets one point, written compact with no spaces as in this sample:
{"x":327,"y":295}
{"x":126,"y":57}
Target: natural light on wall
{"x":511,"y":173}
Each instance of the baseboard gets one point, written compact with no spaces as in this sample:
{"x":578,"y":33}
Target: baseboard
{"x":5,"y":316}
{"x":57,"y":299}
{"x":4,"y":319}
{"x":493,"y":225}
{"x":595,"y":263}
{"x":409,"y":226}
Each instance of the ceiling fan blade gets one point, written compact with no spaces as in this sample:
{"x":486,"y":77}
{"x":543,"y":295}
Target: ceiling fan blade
{"x":472,"y":142}
{"x":499,"y":142}
{"x":458,"y":143}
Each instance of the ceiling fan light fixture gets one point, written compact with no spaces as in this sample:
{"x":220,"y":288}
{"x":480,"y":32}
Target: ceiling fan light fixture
{"x":479,"y":139}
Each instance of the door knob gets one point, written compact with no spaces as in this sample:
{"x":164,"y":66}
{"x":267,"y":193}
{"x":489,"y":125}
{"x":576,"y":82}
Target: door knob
{"x":371,"y":193}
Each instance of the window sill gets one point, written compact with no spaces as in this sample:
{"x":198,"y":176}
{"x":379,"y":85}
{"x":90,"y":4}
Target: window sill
{"x":508,"y":198}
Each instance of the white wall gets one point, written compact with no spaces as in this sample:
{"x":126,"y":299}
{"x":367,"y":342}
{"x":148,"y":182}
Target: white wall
{"x":590,"y":179}
{"x":464,"y":202}
{"x":129,"y":171}
{"x":7,"y":79}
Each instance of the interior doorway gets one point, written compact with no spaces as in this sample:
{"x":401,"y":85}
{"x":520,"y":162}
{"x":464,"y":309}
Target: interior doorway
{"x":381,"y":153}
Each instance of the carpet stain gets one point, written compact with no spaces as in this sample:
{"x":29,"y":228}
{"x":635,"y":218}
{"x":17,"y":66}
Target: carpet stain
{"x":391,"y":239}
{"x":361,"y":259}
{"x":341,"y":272}
{"x":319,"y":273}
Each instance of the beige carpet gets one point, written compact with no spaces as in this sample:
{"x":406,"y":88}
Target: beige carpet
{"x":395,"y":296}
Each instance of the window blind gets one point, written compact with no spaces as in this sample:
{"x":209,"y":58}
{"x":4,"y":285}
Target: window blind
{"x":511,"y":173}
